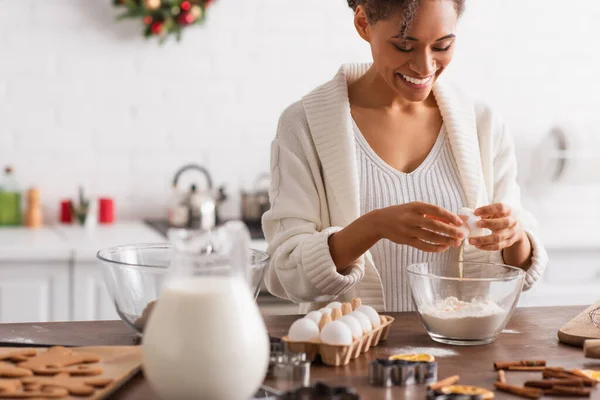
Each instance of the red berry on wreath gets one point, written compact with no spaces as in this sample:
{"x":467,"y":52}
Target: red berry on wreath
{"x":208,"y":2}
{"x":186,"y":18}
{"x":186,"y":5}
{"x":147,"y":20}
{"x":156,"y":28}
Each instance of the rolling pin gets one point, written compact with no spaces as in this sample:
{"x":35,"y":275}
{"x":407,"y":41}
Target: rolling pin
{"x":591,"y":348}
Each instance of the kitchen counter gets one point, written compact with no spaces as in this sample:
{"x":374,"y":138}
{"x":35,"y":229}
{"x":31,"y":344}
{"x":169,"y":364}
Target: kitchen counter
{"x":66,"y":242}
{"x":162,"y":226}
{"x":63,"y":242}
{"x":85,"y":244}
{"x":531,"y":334}
{"x":17,"y":243}
{"x":258,"y":242}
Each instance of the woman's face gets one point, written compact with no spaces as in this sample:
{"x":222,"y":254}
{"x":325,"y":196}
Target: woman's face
{"x":410,"y":65}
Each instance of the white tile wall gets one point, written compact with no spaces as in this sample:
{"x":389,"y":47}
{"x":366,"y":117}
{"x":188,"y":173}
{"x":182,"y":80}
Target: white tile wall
{"x":86,"y":100}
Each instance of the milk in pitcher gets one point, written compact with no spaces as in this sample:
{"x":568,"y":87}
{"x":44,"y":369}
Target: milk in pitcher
{"x":207,"y":340}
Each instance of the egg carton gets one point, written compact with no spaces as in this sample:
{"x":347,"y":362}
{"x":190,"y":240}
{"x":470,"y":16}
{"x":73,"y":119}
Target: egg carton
{"x":336,"y":355}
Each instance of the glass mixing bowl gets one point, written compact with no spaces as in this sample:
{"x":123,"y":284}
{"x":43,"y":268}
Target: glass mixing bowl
{"x":134,"y":276}
{"x":468,"y":308}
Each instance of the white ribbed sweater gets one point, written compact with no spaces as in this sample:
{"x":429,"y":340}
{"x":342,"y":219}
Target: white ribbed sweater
{"x":315,"y":190}
{"x":436,"y":181}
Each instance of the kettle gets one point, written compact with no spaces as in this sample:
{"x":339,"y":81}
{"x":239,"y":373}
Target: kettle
{"x":194,"y":208}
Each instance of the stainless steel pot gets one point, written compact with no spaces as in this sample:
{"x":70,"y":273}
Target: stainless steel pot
{"x":256,"y":202}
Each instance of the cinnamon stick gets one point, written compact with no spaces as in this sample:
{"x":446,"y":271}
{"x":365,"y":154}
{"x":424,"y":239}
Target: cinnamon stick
{"x":571,"y":374}
{"x":550,"y":383}
{"x":527,"y":392}
{"x":587,"y":381}
{"x":522,"y":363}
{"x":444,"y":382}
{"x":549,"y":374}
{"x":566,"y":391}
{"x":501,"y":376}
{"x":526,"y":369}
{"x":533,"y":363}
{"x":554,"y":369}
{"x":556,"y":393}
{"x":504,"y":365}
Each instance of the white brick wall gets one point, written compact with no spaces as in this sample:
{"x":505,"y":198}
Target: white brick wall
{"x":86,"y":100}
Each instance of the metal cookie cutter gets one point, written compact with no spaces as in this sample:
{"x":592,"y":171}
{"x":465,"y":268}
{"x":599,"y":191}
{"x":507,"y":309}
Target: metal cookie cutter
{"x":388,"y":373}
{"x":321,"y":392}
{"x":437,"y":395}
{"x":292,"y":367}
{"x":288,"y":366}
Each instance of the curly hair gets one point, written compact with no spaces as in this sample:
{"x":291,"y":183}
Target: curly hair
{"x":381,"y":9}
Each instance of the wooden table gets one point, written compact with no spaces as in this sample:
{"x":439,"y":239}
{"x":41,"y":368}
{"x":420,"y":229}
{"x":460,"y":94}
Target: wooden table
{"x":531,"y":334}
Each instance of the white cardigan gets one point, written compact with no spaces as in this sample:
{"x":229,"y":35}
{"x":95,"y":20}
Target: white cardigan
{"x":315,"y":190}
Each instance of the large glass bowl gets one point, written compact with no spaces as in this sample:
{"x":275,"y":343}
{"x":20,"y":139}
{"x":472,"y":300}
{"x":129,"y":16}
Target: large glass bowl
{"x":134,"y":277}
{"x":471,"y":307}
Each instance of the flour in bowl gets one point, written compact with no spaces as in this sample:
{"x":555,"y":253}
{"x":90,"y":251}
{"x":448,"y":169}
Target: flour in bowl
{"x":456,"y":319}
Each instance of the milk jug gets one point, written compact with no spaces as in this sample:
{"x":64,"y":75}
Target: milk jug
{"x":206,"y":338}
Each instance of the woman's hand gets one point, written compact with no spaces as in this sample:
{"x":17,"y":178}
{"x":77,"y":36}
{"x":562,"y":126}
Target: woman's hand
{"x":423,"y":226}
{"x":507,"y":235}
{"x":506,"y":230}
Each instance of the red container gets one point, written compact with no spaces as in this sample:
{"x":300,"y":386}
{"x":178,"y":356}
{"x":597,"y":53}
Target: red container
{"x":66,"y":216}
{"x":106,"y":210}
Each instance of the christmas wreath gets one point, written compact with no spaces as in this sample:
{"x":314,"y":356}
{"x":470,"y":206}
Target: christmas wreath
{"x":162,"y":18}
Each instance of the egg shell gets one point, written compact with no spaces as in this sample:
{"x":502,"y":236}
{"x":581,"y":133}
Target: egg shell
{"x":470,"y":228}
{"x":314,"y":316}
{"x":335,"y":304}
{"x":372,"y":314}
{"x":303,"y":330}
{"x":365,"y":322}
{"x":465,"y":230}
{"x":353,"y":324}
{"x":325,"y":311}
{"x":336,"y":333}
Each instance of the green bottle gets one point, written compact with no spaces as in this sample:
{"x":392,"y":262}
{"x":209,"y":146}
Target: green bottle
{"x":10,"y":200}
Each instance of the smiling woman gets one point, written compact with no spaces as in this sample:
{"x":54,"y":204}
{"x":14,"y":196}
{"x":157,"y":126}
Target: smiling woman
{"x":409,"y":62}
{"x":370,"y":170}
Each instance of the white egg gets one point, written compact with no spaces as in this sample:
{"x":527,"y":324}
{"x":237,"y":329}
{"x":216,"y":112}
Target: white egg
{"x":314,"y":316}
{"x":335,"y":304}
{"x":336,"y":333}
{"x":372,"y":314}
{"x":465,"y":230}
{"x":365,"y":322}
{"x":353,"y":324}
{"x":325,"y":311}
{"x":303,"y":330}
{"x":470,"y":227}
